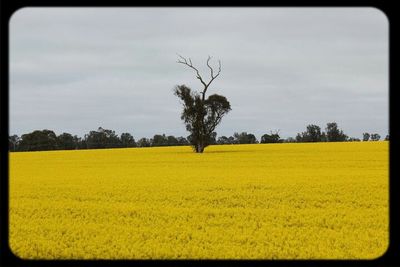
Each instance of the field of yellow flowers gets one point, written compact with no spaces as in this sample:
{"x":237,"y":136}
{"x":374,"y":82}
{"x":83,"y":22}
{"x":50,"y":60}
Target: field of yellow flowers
{"x":264,"y":201}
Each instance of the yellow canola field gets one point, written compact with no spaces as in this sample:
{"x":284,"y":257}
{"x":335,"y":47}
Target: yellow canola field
{"x":264,"y":201}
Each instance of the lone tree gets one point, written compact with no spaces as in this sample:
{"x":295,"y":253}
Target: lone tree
{"x":200,"y":114}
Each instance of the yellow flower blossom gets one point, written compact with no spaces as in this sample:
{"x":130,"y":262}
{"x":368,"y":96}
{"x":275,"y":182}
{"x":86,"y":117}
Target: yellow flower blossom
{"x":265,"y":201}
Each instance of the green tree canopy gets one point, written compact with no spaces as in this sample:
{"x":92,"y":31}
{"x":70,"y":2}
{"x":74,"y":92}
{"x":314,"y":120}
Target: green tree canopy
{"x":334,"y":134}
{"x":38,"y":140}
{"x":312,"y":134}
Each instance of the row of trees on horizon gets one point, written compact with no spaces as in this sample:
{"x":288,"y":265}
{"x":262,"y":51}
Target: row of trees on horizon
{"x":41,"y":140}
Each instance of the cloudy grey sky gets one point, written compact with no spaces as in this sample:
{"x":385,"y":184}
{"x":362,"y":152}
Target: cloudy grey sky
{"x":75,"y":69}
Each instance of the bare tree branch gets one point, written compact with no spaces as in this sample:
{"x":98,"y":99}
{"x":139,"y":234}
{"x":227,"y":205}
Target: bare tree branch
{"x":188,"y":62}
{"x":211,"y":69}
{"x":214,"y":125}
{"x":212,"y":76}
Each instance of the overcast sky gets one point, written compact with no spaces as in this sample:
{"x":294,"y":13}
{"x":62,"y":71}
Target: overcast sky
{"x":75,"y":69}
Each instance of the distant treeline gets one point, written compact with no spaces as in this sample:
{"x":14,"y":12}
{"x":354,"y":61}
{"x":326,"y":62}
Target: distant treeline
{"x":103,"y":138}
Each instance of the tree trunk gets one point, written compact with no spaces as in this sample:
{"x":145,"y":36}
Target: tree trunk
{"x":199,"y":148}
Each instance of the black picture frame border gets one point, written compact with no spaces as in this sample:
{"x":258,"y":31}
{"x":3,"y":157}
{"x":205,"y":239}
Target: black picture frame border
{"x":7,"y":258}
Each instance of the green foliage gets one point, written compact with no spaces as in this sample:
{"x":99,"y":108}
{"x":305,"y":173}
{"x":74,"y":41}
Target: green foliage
{"x":223,"y":140}
{"x":66,"y":141}
{"x":143,"y":142}
{"x":245,"y":138}
{"x":159,"y":140}
{"x":366,"y":136}
{"x":353,"y":139}
{"x":102,"y":138}
{"x":127,"y":140}
{"x":375,"y":137}
{"x":312,"y":134}
{"x":13,"y":142}
{"x":334,"y":134}
{"x":271,"y":138}
{"x":38,"y":140}
{"x":201,"y":117}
